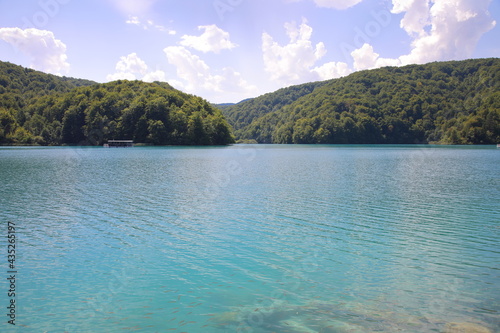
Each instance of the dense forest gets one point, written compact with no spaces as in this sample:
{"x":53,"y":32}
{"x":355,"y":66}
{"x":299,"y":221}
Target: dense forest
{"x":243,"y":113}
{"x":454,"y":102}
{"x":43,"y":109}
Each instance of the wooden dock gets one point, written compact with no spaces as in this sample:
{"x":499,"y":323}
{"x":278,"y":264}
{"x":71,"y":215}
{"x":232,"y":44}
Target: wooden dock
{"x":119,"y":144}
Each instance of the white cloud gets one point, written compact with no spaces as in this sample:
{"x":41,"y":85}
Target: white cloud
{"x":131,"y":67}
{"x":332,"y":70}
{"x":190,"y":67}
{"x":195,"y":76}
{"x":213,"y":39}
{"x":133,"y":20}
{"x":158,"y":75}
{"x":148,"y":25}
{"x":337,"y":4}
{"x":443,"y":29}
{"x":440,"y":29}
{"x":46,"y":53}
{"x":132,"y":64}
{"x":294,"y":62}
{"x":366,"y":58}
{"x":233,"y":82}
{"x":416,"y":16}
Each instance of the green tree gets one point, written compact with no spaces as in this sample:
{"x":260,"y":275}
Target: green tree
{"x":8,"y":125}
{"x":72,"y":125}
{"x":196,"y":130}
{"x":157,"y":132}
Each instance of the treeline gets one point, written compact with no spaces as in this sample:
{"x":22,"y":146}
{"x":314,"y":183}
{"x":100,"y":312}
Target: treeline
{"x":19,"y":85}
{"x":243,"y":113}
{"x":48,"y":110}
{"x":447,"y":102}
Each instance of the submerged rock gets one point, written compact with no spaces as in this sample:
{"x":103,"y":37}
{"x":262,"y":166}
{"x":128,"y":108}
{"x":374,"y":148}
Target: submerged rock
{"x":295,"y":326}
{"x":225,"y":318}
{"x":335,"y":326}
{"x":465,"y":328}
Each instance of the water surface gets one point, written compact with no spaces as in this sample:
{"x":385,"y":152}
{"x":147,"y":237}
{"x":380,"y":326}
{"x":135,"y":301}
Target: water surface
{"x":263,"y":238}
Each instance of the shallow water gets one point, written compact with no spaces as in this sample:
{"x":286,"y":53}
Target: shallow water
{"x":253,"y":238}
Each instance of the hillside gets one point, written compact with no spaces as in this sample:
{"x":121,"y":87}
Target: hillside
{"x":18,"y":85}
{"x":38,"y":108}
{"x":447,"y":102}
{"x":242,"y":114}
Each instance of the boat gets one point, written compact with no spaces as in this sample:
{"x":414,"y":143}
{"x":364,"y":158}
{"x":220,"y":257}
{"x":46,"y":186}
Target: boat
{"x":119,"y":143}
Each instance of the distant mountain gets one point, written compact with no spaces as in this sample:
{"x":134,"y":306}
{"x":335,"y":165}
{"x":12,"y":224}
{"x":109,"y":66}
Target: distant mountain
{"x":222,"y":106}
{"x":39,"y":108}
{"x":455,"y":102}
{"x":242,"y":114}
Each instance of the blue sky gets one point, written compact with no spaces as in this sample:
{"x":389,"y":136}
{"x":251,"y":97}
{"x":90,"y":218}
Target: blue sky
{"x":229,"y":50}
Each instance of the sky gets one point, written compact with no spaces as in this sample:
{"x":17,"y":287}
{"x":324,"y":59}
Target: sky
{"x":229,"y":50}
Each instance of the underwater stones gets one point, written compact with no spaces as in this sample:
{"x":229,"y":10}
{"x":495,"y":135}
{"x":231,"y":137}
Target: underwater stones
{"x":465,"y":328}
{"x":295,"y":326}
{"x":336,"y":326}
{"x":225,"y":318}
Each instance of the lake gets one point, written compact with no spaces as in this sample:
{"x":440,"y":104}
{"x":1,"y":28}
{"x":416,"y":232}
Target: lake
{"x":252,"y":238}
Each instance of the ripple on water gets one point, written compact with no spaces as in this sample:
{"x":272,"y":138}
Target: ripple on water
{"x":303,"y":239}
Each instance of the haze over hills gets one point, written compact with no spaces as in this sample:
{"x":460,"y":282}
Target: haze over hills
{"x":39,"y":108}
{"x":455,"y":102}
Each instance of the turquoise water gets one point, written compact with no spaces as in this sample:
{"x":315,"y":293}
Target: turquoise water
{"x":252,"y":238}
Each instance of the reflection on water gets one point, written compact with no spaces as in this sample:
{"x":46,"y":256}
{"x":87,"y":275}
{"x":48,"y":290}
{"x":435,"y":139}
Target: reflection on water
{"x":255,"y":238}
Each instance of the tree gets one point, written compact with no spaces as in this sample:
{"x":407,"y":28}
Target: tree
{"x":196,"y":130}
{"x":72,"y":125}
{"x":157,"y":132}
{"x":7,"y":125}
{"x":410,"y":104}
{"x":303,"y":132}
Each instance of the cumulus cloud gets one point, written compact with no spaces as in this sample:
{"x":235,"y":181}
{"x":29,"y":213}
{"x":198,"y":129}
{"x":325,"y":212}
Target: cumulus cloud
{"x":366,"y":58}
{"x":445,"y":29}
{"x":131,"y":67}
{"x":416,"y":17}
{"x":213,"y":39}
{"x":195,"y":76}
{"x":295,"y":61}
{"x":45,"y":52}
{"x":440,"y":30}
{"x":189,"y":67}
{"x":132,"y":64}
{"x":337,"y":4}
{"x":332,"y":70}
{"x":157,"y":75}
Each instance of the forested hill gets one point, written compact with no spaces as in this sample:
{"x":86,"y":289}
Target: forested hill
{"x":242,"y":114}
{"x":38,"y":108}
{"x":446,"y":102}
{"x":19,"y":84}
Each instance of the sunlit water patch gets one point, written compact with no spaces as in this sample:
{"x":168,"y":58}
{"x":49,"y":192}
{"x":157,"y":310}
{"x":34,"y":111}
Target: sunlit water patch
{"x":254,"y":238}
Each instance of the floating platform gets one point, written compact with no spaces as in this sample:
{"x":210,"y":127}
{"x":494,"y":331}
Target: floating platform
{"x":119,"y":144}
